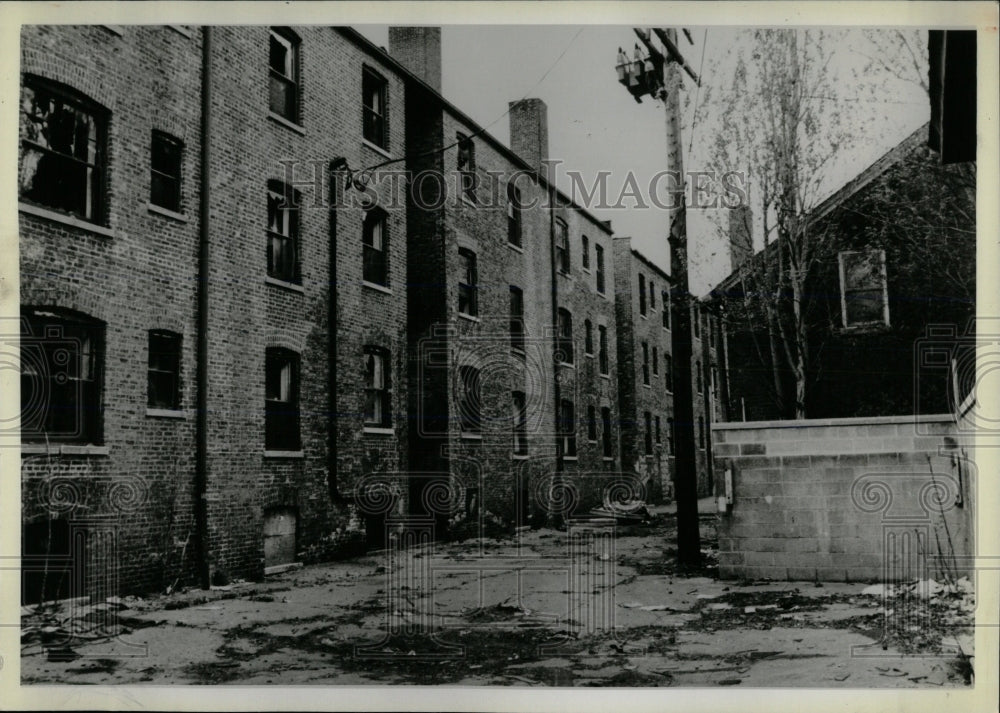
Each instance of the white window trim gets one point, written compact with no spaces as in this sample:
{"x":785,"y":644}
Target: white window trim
{"x":469,"y":317}
{"x":278,"y":118}
{"x":516,"y":248}
{"x":843,"y":292}
{"x":376,"y":148}
{"x":290,"y":286}
{"x":160,"y":210}
{"x":65,"y":219}
{"x":377,"y":287}
{"x":380,"y":430}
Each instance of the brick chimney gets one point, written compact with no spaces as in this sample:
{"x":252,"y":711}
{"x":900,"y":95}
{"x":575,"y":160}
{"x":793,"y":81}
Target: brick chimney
{"x":419,"y":50}
{"x":529,"y":132}
{"x":740,"y":236}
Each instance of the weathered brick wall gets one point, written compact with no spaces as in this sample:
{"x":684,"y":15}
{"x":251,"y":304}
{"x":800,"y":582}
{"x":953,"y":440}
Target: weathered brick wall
{"x":143,"y":275}
{"x":844,"y":499}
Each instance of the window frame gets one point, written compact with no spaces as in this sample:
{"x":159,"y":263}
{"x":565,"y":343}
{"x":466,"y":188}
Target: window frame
{"x":563,"y":261}
{"x":54,"y":336}
{"x":645,"y":364}
{"x":603,"y":365}
{"x":564,"y":336}
{"x":585,"y":253}
{"x":173,"y":403}
{"x":667,"y":308}
{"x":658,"y":432}
{"x":883,"y":289}
{"x":280,"y":193}
{"x":567,"y":429}
{"x":375,"y":218}
{"x":647,"y":418}
{"x":515,"y":234}
{"x":285,"y":437}
{"x":607,"y":433}
{"x":516,"y":326}
{"x":379,"y":396}
{"x":177,"y":144}
{"x":642,"y":295}
{"x":599,"y":260}
{"x":588,"y":337}
{"x":95,"y":182}
{"x":668,"y":371}
{"x":293,"y":46}
{"x":465,"y":163}
{"x":468,"y":283}
{"x":519,"y":403}
{"x":380,"y":120}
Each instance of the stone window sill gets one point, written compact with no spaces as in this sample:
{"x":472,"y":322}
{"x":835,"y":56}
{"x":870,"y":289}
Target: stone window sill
{"x":64,"y":449}
{"x":377,"y":287}
{"x":284,"y":454}
{"x":65,"y":220}
{"x":520,"y":456}
{"x":471,"y":436}
{"x":279,"y":119}
{"x":469,"y":317}
{"x":166,"y":413}
{"x":160,"y":210}
{"x":376,"y":148}
{"x":515,"y":248}
{"x":379,"y":431}
{"x":290,"y":286}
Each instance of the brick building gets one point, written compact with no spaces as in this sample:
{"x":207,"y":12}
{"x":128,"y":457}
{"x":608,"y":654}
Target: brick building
{"x":166,"y":279}
{"x":643,"y":311}
{"x":511,"y":323}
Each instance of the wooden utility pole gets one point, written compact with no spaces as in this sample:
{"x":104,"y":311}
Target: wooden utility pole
{"x":666,"y":86}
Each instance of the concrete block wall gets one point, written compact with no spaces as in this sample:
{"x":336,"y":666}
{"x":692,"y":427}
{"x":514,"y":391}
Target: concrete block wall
{"x":875,"y":499}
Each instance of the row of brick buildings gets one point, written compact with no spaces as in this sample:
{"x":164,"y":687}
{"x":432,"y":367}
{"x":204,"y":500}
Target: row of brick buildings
{"x":277,"y":293}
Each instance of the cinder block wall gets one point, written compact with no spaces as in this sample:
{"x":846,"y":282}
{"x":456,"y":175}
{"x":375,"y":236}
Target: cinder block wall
{"x":857,"y":499}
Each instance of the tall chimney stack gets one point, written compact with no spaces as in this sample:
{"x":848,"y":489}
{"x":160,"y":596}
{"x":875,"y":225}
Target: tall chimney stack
{"x":529,"y":132}
{"x":419,"y":50}
{"x":740,"y":236}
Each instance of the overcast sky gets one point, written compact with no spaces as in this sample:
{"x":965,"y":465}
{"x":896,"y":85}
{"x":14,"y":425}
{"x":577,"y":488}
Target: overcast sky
{"x":595,"y":125}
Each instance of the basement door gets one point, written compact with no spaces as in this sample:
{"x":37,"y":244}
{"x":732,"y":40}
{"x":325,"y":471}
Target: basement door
{"x":280,"y":526}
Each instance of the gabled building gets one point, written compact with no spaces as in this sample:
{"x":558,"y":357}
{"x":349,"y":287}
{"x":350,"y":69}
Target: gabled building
{"x":895,"y":276}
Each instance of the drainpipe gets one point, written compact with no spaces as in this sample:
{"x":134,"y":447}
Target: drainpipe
{"x":337,"y":173}
{"x":201,"y":427}
{"x":555,"y":320}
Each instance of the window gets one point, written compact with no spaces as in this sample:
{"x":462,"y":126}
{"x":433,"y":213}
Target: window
{"x":62,"y":369}
{"x":378,"y":409}
{"x":520,"y":423}
{"x":599,"y":256}
{"x":467,"y":167}
{"x":642,"y":295}
{"x":652,"y":296}
{"x":164,"y":370}
{"x":374,"y":91}
{"x":470,"y":400}
{"x":284,"y":61}
{"x":165,"y":172}
{"x":606,"y":433}
{"x":697,"y":375}
{"x":565,"y":337}
{"x":516,"y":318}
{"x":375,"y":266}
{"x":602,"y":346}
{"x":668,"y":371}
{"x":281,"y":400}
{"x":665,"y":303}
{"x":656,"y":363}
{"x":567,"y":430}
{"x":656,"y":422}
{"x":701,"y":432}
{"x":282,"y":233}
{"x":585,"y":254}
{"x":562,"y":247}
{"x":864,"y":291}
{"x":670,"y":436}
{"x":63,"y":156}
{"x":468,"y":283}
{"x":588,"y":337}
{"x":696,"y":321}
{"x":648,"y":418}
{"x":591,"y":423}
{"x":513,"y":215}
{"x":645,"y":363}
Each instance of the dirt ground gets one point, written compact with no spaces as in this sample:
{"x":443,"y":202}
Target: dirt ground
{"x":545,"y":608}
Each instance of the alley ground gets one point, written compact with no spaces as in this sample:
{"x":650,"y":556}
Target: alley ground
{"x":547,"y":608}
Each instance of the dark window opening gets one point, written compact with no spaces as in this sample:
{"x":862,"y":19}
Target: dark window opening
{"x":468,"y":284}
{"x":567,"y":429}
{"x":520,"y":406}
{"x":375,"y":267}
{"x":374,"y":93}
{"x":378,"y":411}
{"x":516,"y":318}
{"x":513,"y":215}
{"x":281,"y":400}
{"x":565,"y":336}
{"x":164,"y":370}
{"x":165,"y":171}
{"x":606,"y":433}
{"x":602,"y":345}
{"x":282,"y":233}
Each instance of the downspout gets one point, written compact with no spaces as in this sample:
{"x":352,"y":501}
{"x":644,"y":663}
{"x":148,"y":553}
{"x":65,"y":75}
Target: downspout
{"x":555,"y":323}
{"x":338,"y":172}
{"x":201,"y":426}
